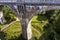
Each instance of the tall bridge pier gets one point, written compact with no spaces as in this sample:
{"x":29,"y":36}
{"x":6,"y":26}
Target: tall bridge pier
{"x":25,"y":21}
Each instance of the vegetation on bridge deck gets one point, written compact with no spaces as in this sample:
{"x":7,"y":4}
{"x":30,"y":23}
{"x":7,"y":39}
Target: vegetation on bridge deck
{"x":45,"y":26}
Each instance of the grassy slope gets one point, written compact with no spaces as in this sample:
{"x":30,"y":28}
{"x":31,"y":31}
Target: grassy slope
{"x":37,"y":27}
{"x":15,"y":31}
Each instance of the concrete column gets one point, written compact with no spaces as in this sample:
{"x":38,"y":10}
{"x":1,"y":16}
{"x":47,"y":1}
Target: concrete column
{"x":2,"y":19}
{"x":29,"y":31}
{"x":26,"y":23}
{"x":26,"y":29}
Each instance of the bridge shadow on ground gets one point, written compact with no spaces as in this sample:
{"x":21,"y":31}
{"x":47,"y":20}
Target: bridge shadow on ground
{"x":47,"y":37}
{"x":2,"y":36}
{"x":21,"y":38}
{"x":18,"y":38}
{"x":48,"y":34}
{"x":51,"y":29}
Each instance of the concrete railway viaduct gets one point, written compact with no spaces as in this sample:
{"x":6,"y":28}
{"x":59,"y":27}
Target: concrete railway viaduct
{"x":23,"y":9}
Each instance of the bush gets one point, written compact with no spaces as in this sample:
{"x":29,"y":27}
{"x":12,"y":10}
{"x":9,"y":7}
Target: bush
{"x":8,"y":14}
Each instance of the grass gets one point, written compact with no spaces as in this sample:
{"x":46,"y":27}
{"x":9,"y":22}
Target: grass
{"x":37,"y":27}
{"x":15,"y":30}
{"x":1,"y":26}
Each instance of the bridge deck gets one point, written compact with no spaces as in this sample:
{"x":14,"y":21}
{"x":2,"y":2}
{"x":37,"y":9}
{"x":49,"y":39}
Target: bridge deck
{"x":31,"y":2}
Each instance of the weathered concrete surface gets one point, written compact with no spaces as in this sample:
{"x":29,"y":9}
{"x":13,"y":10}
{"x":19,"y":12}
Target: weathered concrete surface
{"x":2,"y":19}
{"x":26,"y":27}
{"x":30,"y":2}
{"x":29,"y":31}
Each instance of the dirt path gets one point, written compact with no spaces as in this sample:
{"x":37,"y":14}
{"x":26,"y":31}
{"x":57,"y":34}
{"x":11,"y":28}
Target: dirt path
{"x":7,"y":26}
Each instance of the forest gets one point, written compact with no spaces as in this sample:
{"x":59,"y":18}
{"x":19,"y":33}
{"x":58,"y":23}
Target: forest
{"x":45,"y":26}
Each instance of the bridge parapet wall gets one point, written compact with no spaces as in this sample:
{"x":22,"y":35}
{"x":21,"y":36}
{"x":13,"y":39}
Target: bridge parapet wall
{"x":31,"y":1}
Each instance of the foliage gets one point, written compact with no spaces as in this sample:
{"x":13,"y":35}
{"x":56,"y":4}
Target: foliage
{"x":8,"y":14}
{"x":11,"y":33}
{"x":45,"y":26}
{"x":50,"y":28}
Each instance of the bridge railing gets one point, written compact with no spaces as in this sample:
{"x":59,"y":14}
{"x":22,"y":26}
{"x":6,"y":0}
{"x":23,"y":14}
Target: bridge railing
{"x":29,"y":2}
{"x":8,"y":0}
{"x":42,"y":1}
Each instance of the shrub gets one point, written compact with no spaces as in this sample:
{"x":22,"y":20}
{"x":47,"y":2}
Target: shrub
{"x":8,"y":14}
